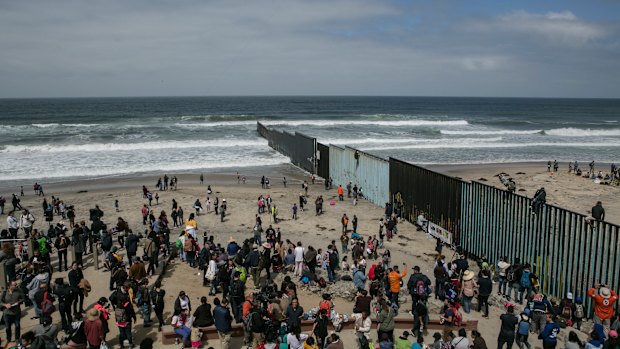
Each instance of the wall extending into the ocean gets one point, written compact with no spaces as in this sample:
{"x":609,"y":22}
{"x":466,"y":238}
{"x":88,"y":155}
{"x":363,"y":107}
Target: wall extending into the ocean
{"x":366,"y":171}
{"x":569,"y":251}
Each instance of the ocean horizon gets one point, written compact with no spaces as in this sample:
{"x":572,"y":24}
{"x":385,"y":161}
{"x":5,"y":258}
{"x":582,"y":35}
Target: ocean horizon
{"x":63,"y":138}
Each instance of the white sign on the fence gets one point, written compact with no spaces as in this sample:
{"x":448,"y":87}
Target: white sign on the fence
{"x":440,"y":233}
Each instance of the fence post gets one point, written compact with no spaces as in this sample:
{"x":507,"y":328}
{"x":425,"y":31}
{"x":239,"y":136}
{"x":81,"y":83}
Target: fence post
{"x":3,"y":281}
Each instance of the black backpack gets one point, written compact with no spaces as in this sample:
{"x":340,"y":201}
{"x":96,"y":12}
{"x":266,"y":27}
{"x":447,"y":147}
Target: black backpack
{"x":257,"y":323}
{"x":238,"y":289}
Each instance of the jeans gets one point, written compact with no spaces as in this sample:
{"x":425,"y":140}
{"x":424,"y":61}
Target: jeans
{"x":79,"y":298}
{"x":522,"y":341}
{"x":345,"y":248}
{"x":513,"y":291}
{"x":146,"y":313}
{"x":237,"y":309}
{"x":12,"y":320}
{"x":125,"y":334}
{"x":503,"y":285}
{"x":62,"y":254}
{"x":527,"y":291}
{"x":502,"y":339}
{"x":466,"y":303}
{"x":213,"y":288}
{"x":191,"y":258}
{"x":331,"y":275}
{"x":539,"y":320}
{"x":257,"y":239}
{"x":185,"y":332}
{"x":394,"y":297}
{"x":160,"y":316}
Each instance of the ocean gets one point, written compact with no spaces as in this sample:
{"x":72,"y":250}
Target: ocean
{"x":58,"y":139}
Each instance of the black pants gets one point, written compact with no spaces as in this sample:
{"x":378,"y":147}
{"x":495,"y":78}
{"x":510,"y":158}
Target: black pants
{"x":79,"y":298}
{"x":483,"y":303}
{"x":501,"y":340}
{"x":159,"y":312}
{"x":390,"y":334}
{"x":78,"y":258}
{"x":62,"y":254}
{"x":66,"y":319}
{"x":153,"y":264}
{"x":215,"y":208}
{"x":130,"y":257}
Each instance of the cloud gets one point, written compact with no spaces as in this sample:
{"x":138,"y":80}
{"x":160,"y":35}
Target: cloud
{"x":343,"y":47}
{"x":562,"y":28}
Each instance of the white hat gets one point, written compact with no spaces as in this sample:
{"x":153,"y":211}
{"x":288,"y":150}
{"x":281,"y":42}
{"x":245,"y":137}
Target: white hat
{"x":569,"y":295}
{"x":468,"y":275}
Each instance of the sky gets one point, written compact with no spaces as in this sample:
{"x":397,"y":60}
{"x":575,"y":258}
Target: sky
{"x":493,"y":48}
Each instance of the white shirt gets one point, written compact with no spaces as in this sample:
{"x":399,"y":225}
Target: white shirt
{"x":293,"y":343}
{"x":460,"y":343}
{"x":12,"y":222}
{"x":27,"y":220}
{"x":299,"y":254}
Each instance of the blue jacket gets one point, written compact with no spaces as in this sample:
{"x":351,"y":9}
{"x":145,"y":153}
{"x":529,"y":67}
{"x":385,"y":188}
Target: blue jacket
{"x":541,"y":304}
{"x":550,"y":333}
{"x":359,"y":279}
{"x":222,"y":319}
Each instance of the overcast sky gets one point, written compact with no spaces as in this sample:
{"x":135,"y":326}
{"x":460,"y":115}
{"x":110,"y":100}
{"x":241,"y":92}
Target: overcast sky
{"x":425,"y":48}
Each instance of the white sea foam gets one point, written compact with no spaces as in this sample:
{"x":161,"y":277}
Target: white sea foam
{"x":134,"y":167}
{"x":110,"y":147}
{"x":327,"y":123}
{"x":455,"y":144}
{"x":587,"y":132}
{"x":489,"y":132}
{"x":387,"y":140}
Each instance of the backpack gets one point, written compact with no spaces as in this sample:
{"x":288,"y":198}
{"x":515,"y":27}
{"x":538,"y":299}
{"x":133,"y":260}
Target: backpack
{"x":510,"y":275}
{"x":106,"y":243}
{"x":579,"y":311}
{"x":44,"y":342}
{"x":325,"y":305}
{"x":237,"y":289}
{"x":567,"y":311}
{"x":371,"y":272}
{"x":47,"y":306}
{"x":525,"y":279}
{"x":120,"y":314}
{"x":440,"y":272}
{"x":420,"y":288}
{"x":242,"y":275}
{"x":257,"y":324}
{"x":188,"y":246}
{"x":178,"y":244}
{"x":524,"y":327}
{"x":457,"y":319}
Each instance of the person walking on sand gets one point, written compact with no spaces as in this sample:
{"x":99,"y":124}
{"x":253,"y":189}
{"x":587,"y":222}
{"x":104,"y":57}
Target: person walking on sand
{"x":394,"y":279}
{"x":345,"y":222}
{"x":508,"y":328}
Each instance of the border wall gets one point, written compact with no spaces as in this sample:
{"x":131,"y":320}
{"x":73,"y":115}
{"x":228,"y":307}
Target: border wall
{"x":301,"y":149}
{"x":568,"y":252}
{"x":367,"y":171}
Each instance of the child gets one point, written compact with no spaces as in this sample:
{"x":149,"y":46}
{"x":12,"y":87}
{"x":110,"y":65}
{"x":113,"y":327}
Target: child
{"x":116,"y":205}
{"x":523,"y":329}
{"x":196,"y":338}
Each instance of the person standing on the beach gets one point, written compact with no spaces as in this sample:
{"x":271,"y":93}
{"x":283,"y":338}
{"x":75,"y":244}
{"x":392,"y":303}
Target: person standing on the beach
{"x":216,"y":204}
{"x":302,"y":200}
{"x":340,"y":193}
{"x":549,"y":166}
{"x":26,"y":221}
{"x":117,"y":205}
{"x":299,"y":259}
{"x":294,"y":210}
{"x":166,"y":179}
{"x":180,"y":213}
{"x":149,"y":196}
{"x":262,"y":182}
{"x":604,"y":301}
{"x":12,"y":224}
{"x":556,"y":166}
{"x":345,"y":222}
{"x":202,"y":179}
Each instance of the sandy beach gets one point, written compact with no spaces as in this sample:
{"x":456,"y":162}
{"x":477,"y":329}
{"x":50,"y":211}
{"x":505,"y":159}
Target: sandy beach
{"x":410,"y":246}
{"x":563,"y":189}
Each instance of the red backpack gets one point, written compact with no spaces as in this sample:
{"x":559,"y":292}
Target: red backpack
{"x":324,"y":304}
{"x":371,"y":272}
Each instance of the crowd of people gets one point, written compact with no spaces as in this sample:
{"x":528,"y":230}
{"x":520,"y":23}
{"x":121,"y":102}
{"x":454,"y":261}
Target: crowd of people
{"x":241,"y":278}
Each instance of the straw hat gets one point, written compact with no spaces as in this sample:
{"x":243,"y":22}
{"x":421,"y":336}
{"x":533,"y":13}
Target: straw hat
{"x":93,"y":314}
{"x":231,"y":239}
{"x":255,"y":246}
{"x":605,"y":293}
{"x":468,"y":275}
{"x":266,"y":245}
